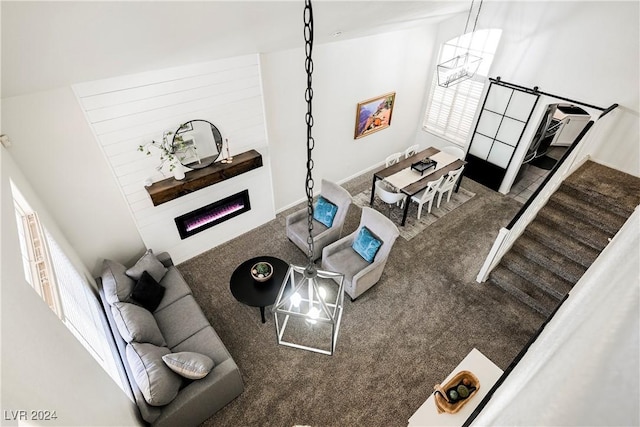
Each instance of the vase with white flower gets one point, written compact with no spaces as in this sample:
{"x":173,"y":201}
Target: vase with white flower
{"x":168,"y":153}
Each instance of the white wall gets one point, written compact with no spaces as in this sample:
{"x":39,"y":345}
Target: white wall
{"x":128,"y":111}
{"x":587,"y":51}
{"x":345,"y":73}
{"x":58,"y":155}
{"x":583,"y":369}
{"x":54,"y":146}
{"x":43,"y":364}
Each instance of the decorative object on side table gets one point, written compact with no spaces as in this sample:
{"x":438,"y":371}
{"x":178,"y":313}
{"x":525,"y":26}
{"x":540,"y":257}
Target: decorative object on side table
{"x":261,"y":271}
{"x":453,"y":395}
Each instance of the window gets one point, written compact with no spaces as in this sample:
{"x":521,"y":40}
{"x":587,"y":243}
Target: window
{"x":450,"y":111}
{"x":65,"y":290}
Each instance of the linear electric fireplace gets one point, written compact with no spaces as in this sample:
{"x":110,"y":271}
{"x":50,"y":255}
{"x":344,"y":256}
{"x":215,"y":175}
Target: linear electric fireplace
{"x":207,"y":216}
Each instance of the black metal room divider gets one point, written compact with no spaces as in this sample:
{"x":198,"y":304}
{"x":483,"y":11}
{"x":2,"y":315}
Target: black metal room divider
{"x":505,"y":113}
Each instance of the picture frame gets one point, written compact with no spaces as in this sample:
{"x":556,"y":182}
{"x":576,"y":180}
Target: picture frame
{"x":374,"y":114}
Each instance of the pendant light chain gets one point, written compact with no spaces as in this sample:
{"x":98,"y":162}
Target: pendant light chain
{"x":308,"y":95}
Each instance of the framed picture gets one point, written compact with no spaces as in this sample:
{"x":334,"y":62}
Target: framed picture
{"x":374,"y":114}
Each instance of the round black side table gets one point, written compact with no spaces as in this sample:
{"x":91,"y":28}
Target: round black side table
{"x":249,"y":291}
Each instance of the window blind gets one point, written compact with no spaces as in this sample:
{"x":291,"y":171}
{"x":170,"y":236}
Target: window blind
{"x":450,"y":111}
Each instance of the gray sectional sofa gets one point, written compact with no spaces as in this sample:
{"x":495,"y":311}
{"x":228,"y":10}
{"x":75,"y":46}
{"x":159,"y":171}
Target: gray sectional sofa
{"x":182,"y":328}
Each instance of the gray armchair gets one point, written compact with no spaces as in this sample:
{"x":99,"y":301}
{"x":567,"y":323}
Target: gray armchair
{"x":297,"y":230}
{"x":359,"y":275}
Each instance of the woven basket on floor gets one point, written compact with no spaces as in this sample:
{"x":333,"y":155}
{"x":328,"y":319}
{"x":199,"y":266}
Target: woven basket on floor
{"x":442,"y":405}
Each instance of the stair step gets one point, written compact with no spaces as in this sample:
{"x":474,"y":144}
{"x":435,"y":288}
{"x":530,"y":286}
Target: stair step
{"x":569,"y":201}
{"x":560,"y":242}
{"x":616,"y":190}
{"x":546,"y":280}
{"x":582,"y":231}
{"x":616,"y":199}
{"x":523,"y":290}
{"x":546,"y":257}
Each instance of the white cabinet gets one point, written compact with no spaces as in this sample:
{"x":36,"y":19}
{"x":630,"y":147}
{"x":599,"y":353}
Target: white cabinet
{"x":573,"y":120}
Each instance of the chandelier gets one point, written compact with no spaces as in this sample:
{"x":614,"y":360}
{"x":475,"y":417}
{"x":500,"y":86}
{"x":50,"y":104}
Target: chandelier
{"x":461,"y":67}
{"x":308,"y":308}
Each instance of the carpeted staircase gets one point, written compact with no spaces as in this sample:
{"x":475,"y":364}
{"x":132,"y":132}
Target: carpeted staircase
{"x":567,"y":235}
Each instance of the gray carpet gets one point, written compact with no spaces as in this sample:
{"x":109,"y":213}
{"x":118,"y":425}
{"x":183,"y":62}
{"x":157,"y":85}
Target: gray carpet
{"x":414,"y":226}
{"x":567,"y":235}
{"x":396,"y":341}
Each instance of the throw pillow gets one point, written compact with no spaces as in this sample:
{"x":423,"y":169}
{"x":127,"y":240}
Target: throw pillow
{"x":366,"y":244}
{"x":148,"y":262}
{"x":189,"y":364}
{"x":136,"y":324}
{"x":159,"y":384}
{"x":116,"y":284}
{"x":147,"y":292}
{"x":324,"y":211}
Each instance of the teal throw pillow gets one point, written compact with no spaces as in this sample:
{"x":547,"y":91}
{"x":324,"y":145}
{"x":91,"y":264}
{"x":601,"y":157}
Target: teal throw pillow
{"x":324,"y":211}
{"x":366,"y":244}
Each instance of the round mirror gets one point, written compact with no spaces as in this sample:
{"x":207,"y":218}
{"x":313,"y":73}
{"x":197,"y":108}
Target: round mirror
{"x":197,"y":144}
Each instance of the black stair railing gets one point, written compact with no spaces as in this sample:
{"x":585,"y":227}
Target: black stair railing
{"x":524,"y":351}
{"x":557,"y":166}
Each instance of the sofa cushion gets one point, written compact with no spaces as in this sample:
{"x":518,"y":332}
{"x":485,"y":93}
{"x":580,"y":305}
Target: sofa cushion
{"x":116,"y":284}
{"x":180,"y":320}
{"x":206,"y":341}
{"x":159,"y":384}
{"x":150,"y":263}
{"x":366,"y":244}
{"x":324,"y":211}
{"x":137,"y":324}
{"x":175,"y":288}
{"x":189,"y":364}
{"x":147,"y":292}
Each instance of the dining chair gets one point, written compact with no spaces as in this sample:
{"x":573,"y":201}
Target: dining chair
{"x":427,"y":195}
{"x":454,"y":151}
{"x":388,"y":196}
{"x":448,"y":184}
{"x":411,"y":151}
{"x":392,"y":159}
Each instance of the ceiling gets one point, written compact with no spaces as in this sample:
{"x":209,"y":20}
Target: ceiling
{"x":52,"y":44}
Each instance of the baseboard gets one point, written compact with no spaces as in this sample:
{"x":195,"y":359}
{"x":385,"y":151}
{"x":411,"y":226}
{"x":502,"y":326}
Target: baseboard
{"x":339,"y":182}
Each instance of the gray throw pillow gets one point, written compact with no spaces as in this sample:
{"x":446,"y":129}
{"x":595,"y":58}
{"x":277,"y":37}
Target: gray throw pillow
{"x":189,"y":364}
{"x":116,"y":284}
{"x":149,"y":263}
{"x":136,"y":324}
{"x":159,"y":384}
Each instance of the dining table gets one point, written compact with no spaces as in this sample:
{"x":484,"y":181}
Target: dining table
{"x":410,"y":181}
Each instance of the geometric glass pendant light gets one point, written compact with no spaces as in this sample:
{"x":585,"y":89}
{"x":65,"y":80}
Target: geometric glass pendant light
{"x":308,"y":308}
{"x":458,"y":69}
{"x":461,"y":67}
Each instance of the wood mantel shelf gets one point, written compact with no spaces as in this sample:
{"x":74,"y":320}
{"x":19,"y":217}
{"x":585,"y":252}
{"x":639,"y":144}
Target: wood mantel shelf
{"x":170,"y":188}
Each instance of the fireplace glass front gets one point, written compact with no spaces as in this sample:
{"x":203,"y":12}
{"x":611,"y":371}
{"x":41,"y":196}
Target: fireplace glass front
{"x":207,"y":216}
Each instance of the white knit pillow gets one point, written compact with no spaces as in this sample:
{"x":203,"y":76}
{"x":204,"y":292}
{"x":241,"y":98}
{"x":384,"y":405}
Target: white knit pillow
{"x":189,"y":364}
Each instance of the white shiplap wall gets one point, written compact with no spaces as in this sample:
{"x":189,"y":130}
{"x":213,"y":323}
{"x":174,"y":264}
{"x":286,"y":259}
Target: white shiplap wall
{"x":125,"y":112}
